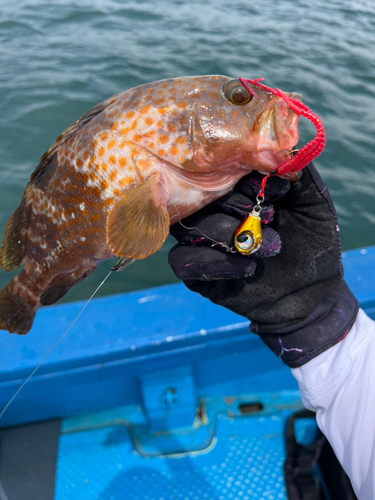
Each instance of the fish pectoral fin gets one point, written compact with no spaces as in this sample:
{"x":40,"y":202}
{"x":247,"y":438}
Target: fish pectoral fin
{"x":138,"y":224}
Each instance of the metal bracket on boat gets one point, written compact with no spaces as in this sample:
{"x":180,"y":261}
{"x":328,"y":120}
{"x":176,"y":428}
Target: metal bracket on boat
{"x":169,"y":399}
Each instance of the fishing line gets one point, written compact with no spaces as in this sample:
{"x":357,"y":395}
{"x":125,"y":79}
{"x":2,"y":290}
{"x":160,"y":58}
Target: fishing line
{"x":222,"y":243}
{"x":54,"y":347}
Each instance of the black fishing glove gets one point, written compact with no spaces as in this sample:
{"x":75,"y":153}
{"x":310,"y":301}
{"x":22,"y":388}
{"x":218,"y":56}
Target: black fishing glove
{"x":291,"y":289}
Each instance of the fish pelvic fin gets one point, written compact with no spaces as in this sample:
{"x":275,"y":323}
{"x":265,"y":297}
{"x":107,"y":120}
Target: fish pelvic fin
{"x":13,"y":249}
{"x":17,"y":310}
{"x":138,"y":224}
{"x":62,"y":283}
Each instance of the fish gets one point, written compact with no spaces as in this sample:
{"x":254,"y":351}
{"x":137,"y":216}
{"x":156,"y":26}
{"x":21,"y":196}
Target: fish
{"x":115,"y":180}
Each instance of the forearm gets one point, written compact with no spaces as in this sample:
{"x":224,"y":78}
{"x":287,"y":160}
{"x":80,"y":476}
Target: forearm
{"x":339,"y":385}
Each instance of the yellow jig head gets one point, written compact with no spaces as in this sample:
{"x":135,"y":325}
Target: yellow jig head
{"x":248,"y":235}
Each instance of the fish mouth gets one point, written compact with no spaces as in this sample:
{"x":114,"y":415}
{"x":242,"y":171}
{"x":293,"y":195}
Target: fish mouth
{"x":276,"y":130}
{"x":272,"y":160}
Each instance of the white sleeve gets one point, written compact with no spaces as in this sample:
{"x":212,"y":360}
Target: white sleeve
{"x":339,"y":385}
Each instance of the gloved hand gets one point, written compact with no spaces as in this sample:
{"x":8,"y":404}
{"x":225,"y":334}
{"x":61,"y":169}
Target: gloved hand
{"x":291,"y":289}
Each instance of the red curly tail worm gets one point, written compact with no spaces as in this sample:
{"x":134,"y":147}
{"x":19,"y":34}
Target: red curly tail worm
{"x":310,"y":150}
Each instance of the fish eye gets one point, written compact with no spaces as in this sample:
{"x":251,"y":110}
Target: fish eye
{"x":245,"y":241}
{"x":236,"y":93}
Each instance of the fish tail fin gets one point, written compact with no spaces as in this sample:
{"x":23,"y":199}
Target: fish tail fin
{"x":16,"y":311}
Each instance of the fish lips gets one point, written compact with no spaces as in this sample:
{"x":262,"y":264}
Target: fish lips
{"x":276,"y":136}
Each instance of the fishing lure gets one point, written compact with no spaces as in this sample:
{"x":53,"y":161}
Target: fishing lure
{"x":248,"y":235}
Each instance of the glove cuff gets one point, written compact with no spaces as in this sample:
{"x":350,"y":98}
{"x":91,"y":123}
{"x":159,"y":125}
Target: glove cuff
{"x":326,"y":326}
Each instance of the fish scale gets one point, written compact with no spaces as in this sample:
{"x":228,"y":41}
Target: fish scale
{"x":114,"y":181}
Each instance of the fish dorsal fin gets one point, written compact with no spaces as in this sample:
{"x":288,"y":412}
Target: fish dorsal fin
{"x":138,"y":224}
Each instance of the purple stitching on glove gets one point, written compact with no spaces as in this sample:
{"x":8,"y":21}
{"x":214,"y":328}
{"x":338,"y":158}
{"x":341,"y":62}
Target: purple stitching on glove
{"x":199,"y":240}
{"x":271,"y":244}
{"x":340,"y":311}
{"x":284,"y":349}
{"x":270,"y":214}
{"x":337,"y":313}
{"x":255,"y":182}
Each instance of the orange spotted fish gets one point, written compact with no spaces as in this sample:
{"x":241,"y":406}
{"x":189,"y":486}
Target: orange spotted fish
{"x":114,"y":181}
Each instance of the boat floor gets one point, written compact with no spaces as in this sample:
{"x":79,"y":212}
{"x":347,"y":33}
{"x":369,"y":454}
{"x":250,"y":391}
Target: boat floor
{"x":238,"y":445}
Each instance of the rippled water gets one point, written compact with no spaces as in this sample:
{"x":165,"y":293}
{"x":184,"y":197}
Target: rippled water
{"x":58,"y":59}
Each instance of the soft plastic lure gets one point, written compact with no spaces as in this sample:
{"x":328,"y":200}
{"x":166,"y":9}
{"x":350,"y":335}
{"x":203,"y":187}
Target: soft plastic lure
{"x":248,"y":236}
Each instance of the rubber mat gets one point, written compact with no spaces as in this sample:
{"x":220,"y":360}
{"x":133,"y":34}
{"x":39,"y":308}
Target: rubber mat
{"x":244,"y":461}
{"x":28,"y":461}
